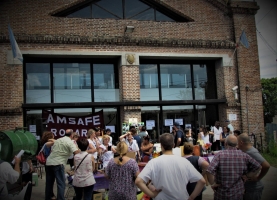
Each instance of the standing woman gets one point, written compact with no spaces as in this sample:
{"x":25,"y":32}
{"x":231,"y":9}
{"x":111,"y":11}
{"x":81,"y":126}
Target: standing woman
{"x":146,"y":149}
{"x":47,"y":139}
{"x":93,"y":144}
{"x":122,"y":172}
{"x":204,"y":134}
{"x":223,"y":135}
{"x":83,"y":181}
{"x":108,"y":153}
{"x":200,"y":164}
{"x":131,"y":143}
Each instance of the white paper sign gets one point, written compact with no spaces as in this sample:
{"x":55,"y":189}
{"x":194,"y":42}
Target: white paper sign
{"x":150,"y":124}
{"x":232,"y":117}
{"x":111,"y":127}
{"x":188,"y":126}
{"x":133,"y":120}
{"x":33,"y":128}
{"x":180,"y":121}
{"x":168,"y":122}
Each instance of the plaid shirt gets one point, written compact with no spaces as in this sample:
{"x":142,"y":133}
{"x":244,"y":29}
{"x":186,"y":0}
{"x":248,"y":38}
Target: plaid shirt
{"x":228,"y":167}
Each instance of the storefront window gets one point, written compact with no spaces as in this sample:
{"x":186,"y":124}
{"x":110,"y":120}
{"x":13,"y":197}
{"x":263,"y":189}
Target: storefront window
{"x":72,"y":82}
{"x":149,"y":87}
{"x":38,"y":85}
{"x":176,"y":82}
{"x":184,"y":114}
{"x":105,"y":87}
{"x":150,"y":116}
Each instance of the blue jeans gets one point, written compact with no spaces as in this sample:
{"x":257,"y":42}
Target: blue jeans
{"x":52,"y":173}
{"x":88,"y":192}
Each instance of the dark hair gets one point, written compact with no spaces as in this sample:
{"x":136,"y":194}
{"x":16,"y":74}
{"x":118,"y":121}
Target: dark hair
{"x":204,"y":130}
{"x":143,"y":128}
{"x":228,"y":129}
{"x":146,"y":137}
{"x":167,"y":141}
{"x":237,"y":132}
{"x":108,"y":130}
{"x":188,"y":148}
{"x":82,"y":144}
{"x":133,"y":131}
{"x":131,"y":127}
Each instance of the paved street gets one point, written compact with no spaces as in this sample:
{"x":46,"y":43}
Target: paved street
{"x":270,"y":190}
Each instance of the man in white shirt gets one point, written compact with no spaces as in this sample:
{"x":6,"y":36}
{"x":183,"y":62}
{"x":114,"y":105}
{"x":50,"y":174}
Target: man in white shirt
{"x":8,"y":174}
{"x":169,"y":175}
{"x":216,"y":131}
{"x":61,"y":150}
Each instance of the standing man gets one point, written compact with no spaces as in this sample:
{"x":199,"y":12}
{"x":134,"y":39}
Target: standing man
{"x":143,"y":132}
{"x":169,"y":174}
{"x":179,"y":136}
{"x":253,"y":186}
{"x":8,"y":174}
{"x":54,"y":168}
{"x":216,"y":131}
{"x":227,"y":169}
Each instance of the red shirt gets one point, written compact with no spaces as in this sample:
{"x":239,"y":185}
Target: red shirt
{"x":228,"y":167}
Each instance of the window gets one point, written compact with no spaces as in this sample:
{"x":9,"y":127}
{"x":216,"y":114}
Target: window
{"x":149,"y":82}
{"x":177,"y":80}
{"x":124,"y":9}
{"x":38,"y":83}
{"x":72,"y":82}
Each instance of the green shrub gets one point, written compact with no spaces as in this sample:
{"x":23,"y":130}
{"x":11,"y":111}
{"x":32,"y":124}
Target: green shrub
{"x":272,"y":148}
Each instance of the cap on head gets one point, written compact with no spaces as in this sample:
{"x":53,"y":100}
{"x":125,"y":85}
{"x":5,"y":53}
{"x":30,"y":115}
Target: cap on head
{"x":176,"y":124}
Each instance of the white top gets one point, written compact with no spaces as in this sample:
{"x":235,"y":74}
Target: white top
{"x":230,"y":126}
{"x":171,"y":174}
{"x":106,"y":157}
{"x":205,"y":138}
{"x":217,"y":133}
{"x":111,"y":141}
{"x":94,"y":145}
{"x":83,"y":176}
{"x":25,"y":168}
{"x":133,"y":146}
{"x":7,"y":174}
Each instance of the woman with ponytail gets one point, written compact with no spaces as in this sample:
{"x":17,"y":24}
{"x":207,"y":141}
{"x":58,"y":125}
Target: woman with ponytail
{"x":122,"y":172}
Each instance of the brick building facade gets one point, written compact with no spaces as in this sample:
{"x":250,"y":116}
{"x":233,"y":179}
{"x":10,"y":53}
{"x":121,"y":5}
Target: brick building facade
{"x":207,"y":36}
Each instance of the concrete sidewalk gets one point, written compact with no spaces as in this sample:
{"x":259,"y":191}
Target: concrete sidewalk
{"x":270,"y":187}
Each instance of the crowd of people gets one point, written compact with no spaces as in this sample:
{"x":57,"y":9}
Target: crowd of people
{"x":233,"y":173}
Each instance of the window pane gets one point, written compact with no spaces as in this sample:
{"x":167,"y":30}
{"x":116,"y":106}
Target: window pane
{"x":114,"y":6}
{"x":38,"y":83}
{"x":72,"y":82}
{"x":148,"y":82}
{"x":162,"y":17}
{"x":99,"y":13}
{"x":176,"y":82}
{"x":82,"y":13}
{"x":146,"y":15}
{"x":133,"y":7}
{"x":104,"y":83}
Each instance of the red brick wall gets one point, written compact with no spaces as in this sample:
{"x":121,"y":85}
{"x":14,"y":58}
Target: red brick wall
{"x":31,"y":20}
